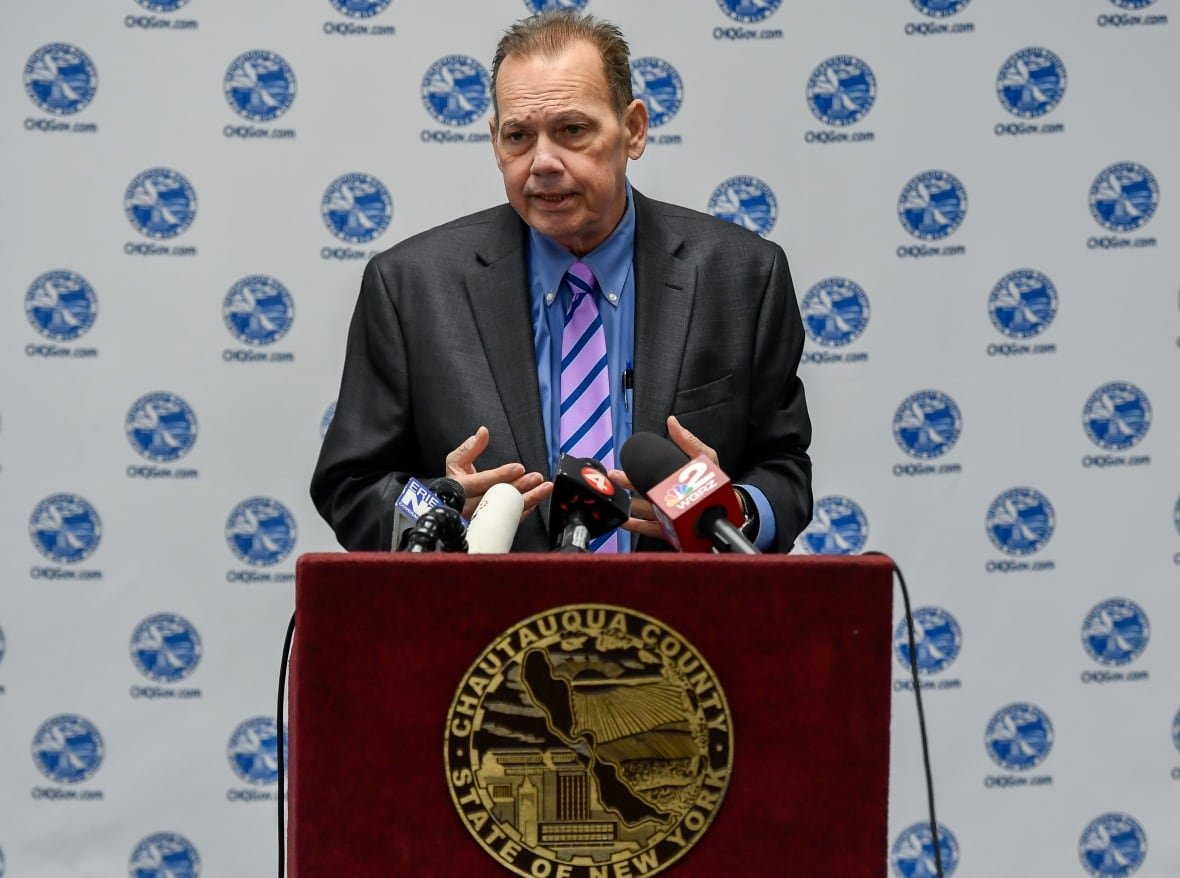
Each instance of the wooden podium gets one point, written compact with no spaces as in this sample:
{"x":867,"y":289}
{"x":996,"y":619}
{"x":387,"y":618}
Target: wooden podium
{"x":800,"y":646}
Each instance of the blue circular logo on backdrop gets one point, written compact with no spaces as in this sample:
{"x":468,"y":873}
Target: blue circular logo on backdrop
{"x":552,"y":5}
{"x":60,"y":79}
{"x":932,"y":205}
{"x":1020,"y":521}
{"x":356,"y":208}
{"x":61,"y":305}
{"x":67,"y":749}
{"x":1176,"y":730}
{"x":253,"y":751}
{"x":835,"y":312}
{"x":260,"y":531}
{"x":912,"y":854}
{"x":838,"y":527}
{"x":259,"y":85}
{"x":841,"y":90}
{"x":927,"y":424}
{"x":656,"y":82}
{"x":1116,"y":632}
{"x":160,"y":203}
{"x":326,"y":420}
{"x":1176,"y":516}
{"x":164,"y":855}
{"x":1112,"y":846}
{"x":939,"y":8}
{"x":258,"y":310}
{"x":1124,"y":196}
{"x":65,"y":528}
{"x":3,"y":645}
{"x":1,"y":862}
{"x":937,"y":638}
{"x":1117,"y":416}
{"x":745,"y":202}
{"x":1031,"y":82}
{"x":162,"y":5}
{"x":360,"y":8}
{"x":165,"y":647}
{"x":161,"y":426}
{"x":1019,"y":737}
{"x":1023,"y":303}
{"x":456,"y":90}
{"x":1132,"y":4}
{"x":748,"y":11}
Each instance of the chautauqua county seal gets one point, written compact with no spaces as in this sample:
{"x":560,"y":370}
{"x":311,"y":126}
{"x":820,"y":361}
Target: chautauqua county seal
{"x":588,"y":741}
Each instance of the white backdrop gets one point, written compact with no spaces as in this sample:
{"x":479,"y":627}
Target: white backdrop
{"x":956,"y":370}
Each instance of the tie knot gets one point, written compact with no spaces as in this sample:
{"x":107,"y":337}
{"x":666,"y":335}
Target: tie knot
{"x":581,"y":278}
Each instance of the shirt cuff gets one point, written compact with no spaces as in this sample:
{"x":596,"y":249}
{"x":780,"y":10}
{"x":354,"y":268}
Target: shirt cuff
{"x":764,"y":538}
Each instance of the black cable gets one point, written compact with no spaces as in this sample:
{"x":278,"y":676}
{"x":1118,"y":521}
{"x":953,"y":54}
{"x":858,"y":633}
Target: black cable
{"x":909,"y":622}
{"x":283,"y":746}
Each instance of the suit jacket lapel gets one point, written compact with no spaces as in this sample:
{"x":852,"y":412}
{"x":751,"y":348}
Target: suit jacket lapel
{"x":665,"y":288}
{"x":498,"y":292}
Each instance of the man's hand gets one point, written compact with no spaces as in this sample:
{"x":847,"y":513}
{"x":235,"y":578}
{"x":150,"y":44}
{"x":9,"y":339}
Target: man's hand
{"x":460,"y":465}
{"x":643,"y":518}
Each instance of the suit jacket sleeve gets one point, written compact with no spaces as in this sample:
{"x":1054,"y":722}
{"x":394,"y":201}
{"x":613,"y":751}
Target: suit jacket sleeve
{"x":357,"y":478}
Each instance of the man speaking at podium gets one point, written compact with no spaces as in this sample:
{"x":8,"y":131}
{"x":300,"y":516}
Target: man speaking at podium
{"x":563,"y":321}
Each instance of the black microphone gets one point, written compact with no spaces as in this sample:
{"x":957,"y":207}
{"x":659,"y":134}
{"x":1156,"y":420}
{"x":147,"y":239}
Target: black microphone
{"x":693,"y":500}
{"x":414,"y":502}
{"x":585,"y":503}
{"x":441,"y":527}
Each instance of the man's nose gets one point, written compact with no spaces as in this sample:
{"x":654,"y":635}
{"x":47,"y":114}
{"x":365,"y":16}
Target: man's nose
{"x":546,"y":158}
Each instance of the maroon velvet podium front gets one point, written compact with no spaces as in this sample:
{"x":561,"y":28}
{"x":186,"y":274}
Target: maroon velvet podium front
{"x":800,"y":646}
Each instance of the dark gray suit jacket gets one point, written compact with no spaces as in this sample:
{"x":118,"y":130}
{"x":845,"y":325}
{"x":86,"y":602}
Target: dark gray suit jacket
{"x":442,"y":341}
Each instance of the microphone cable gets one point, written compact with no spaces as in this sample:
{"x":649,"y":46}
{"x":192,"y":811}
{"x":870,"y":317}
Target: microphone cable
{"x":909,"y":623}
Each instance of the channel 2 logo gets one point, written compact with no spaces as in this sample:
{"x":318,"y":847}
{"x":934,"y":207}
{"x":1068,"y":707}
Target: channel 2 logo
{"x":937,"y":638}
{"x":253,"y":751}
{"x":745,"y":201}
{"x":1022,"y":303}
{"x":162,"y":5}
{"x":258,"y":310}
{"x":67,"y":749}
{"x":538,"y":6}
{"x":161,"y":427}
{"x":1117,"y":416}
{"x":912,"y":854}
{"x":61,"y":79}
{"x":1031,"y":82}
{"x":841,"y":90}
{"x":160,"y":203}
{"x":61,"y":305}
{"x":165,"y":647}
{"x":748,"y":11}
{"x":260,"y":532}
{"x":927,"y":424}
{"x":456,"y":90}
{"x":838,"y":527}
{"x":360,"y":8}
{"x":1019,"y":737}
{"x":1112,"y":846}
{"x":656,"y":83}
{"x":1020,"y":521}
{"x":65,"y":528}
{"x":1124,"y":196}
{"x":1116,"y":632}
{"x":356,"y":208}
{"x":835,"y":312}
{"x":164,"y":855}
{"x":932,"y":205}
{"x":259,"y":85}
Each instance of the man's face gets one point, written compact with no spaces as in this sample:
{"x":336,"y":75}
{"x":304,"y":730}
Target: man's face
{"x":561,"y":147}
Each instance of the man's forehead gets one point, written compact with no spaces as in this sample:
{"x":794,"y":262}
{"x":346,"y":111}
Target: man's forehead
{"x":576,"y":71}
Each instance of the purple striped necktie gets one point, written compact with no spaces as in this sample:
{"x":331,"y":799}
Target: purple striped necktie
{"x":586,"y":426}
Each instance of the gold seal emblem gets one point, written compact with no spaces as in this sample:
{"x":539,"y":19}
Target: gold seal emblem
{"x":588,"y":741}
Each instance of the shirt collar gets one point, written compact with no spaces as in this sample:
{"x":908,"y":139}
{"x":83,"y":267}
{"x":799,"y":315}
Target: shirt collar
{"x":610,"y":261}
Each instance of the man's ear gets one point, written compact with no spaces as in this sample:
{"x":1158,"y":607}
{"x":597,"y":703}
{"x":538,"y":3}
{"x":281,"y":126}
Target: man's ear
{"x":635,"y":120}
{"x":495,"y":152}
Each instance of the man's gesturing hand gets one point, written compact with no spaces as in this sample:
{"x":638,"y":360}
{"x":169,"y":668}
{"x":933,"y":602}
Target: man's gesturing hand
{"x":460,"y":466}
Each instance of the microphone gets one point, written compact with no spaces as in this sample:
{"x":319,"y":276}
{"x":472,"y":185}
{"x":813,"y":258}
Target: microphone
{"x":440,"y":528}
{"x":416,"y":500}
{"x":585,"y":503}
{"x":694,"y":500}
{"x":495,"y":520}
